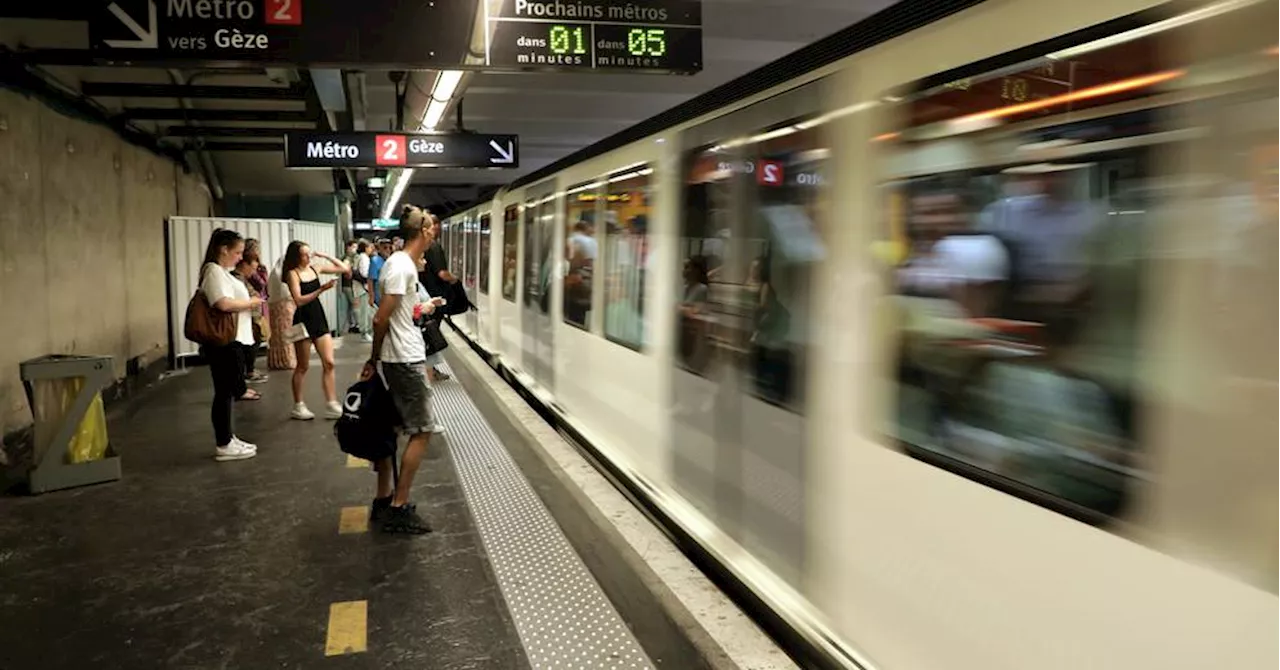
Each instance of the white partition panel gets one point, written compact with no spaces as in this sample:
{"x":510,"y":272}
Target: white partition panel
{"x":321,"y":237}
{"x":187,"y":237}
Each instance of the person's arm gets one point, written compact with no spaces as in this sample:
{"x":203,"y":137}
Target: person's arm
{"x":437,"y":262}
{"x":295,"y":290}
{"x":335,"y":266}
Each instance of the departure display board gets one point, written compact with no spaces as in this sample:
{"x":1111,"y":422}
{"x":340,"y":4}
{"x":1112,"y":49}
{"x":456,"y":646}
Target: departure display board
{"x":663,"y":36}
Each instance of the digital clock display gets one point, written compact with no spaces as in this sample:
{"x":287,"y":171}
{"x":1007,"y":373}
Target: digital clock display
{"x":666,"y":44}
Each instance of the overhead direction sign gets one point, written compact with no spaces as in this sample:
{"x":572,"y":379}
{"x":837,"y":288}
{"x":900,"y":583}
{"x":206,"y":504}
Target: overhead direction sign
{"x":412,"y":150}
{"x":407,"y":33}
{"x":599,"y":35}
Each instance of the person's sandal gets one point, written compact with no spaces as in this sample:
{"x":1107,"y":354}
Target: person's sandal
{"x":250,"y":395}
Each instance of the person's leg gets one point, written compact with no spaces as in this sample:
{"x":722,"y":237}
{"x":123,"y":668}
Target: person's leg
{"x":228,"y":383}
{"x":302,"y":351}
{"x":386,"y":489}
{"x":413,"y":453}
{"x":324,"y":347}
{"x":412,"y":395}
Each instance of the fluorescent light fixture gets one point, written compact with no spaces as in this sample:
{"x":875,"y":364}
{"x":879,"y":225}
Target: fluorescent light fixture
{"x":435,"y":111}
{"x":446,"y":85}
{"x":376,"y":182}
{"x":397,"y":190}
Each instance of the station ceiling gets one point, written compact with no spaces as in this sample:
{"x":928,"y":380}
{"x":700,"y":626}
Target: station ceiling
{"x":229,"y":123}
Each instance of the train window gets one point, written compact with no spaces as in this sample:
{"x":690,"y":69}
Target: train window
{"x":627,"y":204}
{"x":510,"y":251}
{"x":706,"y":226}
{"x":470,"y":245}
{"x":580,"y":252}
{"x":546,"y":242}
{"x":533,"y":292}
{"x":484,"y":254}
{"x":1018,"y":276}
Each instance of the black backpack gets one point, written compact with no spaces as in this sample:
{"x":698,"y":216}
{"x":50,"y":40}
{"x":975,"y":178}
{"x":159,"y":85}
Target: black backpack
{"x":369,"y":420}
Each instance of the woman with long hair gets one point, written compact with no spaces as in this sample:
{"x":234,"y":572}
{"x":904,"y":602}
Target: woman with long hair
{"x":226,"y":362}
{"x":303,"y":280}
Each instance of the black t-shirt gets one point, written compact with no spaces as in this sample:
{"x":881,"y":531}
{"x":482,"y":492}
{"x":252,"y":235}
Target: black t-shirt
{"x":430,"y":277}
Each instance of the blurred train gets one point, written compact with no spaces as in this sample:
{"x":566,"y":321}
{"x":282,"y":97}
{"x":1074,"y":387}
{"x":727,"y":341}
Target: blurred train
{"x":952,"y":337}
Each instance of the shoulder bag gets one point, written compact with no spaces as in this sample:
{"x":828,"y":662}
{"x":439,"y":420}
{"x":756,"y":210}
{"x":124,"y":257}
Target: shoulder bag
{"x":207,"y":325}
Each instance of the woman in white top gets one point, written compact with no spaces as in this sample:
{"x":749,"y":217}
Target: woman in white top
{"x":226,"y":363}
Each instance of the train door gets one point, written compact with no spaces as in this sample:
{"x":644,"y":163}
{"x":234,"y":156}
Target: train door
{"x":750,"y":246}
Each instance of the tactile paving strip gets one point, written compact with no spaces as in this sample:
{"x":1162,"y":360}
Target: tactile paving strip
{"x":563,"y":617}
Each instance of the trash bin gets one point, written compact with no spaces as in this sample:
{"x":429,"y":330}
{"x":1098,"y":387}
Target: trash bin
{"x":71,"y":443}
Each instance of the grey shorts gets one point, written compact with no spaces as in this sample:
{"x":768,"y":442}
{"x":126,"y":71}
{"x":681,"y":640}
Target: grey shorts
{"x":412,"y":394}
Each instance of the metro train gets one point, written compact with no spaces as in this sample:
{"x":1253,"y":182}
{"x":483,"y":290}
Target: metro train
{"x":952,"y":337}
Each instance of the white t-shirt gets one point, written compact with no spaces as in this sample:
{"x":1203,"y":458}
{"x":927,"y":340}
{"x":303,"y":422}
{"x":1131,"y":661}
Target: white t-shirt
{"x":403,"y":342}
{"x":959,"y":259}
{"x":217,"y":283}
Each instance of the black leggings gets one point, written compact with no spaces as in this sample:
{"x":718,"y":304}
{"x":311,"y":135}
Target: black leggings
{"x":249,"y":354}
{"x":226,"y":365}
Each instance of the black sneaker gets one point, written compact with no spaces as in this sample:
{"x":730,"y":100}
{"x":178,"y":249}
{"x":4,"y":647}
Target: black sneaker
{"x":404,"y":520}
{"x":378,"y":510}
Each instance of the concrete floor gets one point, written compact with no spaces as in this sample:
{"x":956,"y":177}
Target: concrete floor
{"x":190,"y":563}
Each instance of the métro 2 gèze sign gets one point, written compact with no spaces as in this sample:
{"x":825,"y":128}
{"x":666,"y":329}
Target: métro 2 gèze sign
{"x":390,"y":33}
{"x":387,"y":149}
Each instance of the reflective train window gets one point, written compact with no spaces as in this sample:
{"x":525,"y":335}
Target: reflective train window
{"x":1015,"y":245}
{"x":627,"y":203}
{"x":484,"y":253}
{"x":579,"y":252}
{"x":510,"y":251}
{"x":469,"y":244}
{"x":533,"y":293}
{"x":546,"y":242}
{"x":749,"y":247}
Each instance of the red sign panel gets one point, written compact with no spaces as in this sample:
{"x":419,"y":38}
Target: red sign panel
{"x":283,"y":12}
{"x":770,"y":173}
{"x":390,"y":149}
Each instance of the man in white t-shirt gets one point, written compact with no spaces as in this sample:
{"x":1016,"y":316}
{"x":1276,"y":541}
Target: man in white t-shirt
{"x":400,"y":354}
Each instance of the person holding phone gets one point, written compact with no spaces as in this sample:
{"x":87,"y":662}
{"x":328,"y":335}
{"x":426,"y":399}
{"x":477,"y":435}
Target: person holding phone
{"x":306,"y":289}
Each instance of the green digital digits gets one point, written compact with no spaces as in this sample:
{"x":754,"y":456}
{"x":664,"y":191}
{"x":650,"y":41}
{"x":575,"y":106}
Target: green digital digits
{"x":647,"y":42}
{"x":565,"y":39}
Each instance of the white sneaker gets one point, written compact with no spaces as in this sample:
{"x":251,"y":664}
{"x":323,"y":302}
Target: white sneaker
{"x":333,"y":411}
{"x":301,"y":413}
{"x":234,"y":451}
{"x":438,"y":428}
{"x":366,"y":338}
{"x":246,"y":445}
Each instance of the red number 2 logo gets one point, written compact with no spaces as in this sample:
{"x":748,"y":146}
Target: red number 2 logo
{"x":390,"y":149}
{"x":284,"y":12}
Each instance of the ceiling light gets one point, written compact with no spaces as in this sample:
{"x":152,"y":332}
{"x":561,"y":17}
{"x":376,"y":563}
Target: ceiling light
{"x":393,"y":198}
{"x":435,"y":111}
{"x":446,"y":85}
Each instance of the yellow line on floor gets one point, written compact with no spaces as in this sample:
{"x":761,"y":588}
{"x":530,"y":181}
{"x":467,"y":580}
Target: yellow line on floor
{"x":353,"y":462}
{"x":353,"y":520}
{"x":348,"y":623}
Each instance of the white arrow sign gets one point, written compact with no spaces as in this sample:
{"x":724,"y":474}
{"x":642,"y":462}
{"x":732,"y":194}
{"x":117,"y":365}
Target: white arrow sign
{"x":505,"y":155}
{"x":148,"y":38}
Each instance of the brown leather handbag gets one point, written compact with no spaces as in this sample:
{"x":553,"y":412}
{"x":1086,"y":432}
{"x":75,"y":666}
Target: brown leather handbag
{"x":207,"y":325}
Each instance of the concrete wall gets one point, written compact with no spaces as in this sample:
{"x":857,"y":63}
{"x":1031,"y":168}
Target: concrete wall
{"x":82,"y":268}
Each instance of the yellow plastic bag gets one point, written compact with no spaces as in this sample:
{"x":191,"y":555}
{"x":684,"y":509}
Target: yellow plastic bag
{"x":90,"y":440}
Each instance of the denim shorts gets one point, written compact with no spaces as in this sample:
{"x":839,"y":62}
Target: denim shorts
{"x":412,"y":394}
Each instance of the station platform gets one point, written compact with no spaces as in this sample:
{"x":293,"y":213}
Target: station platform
{"x":270,"y":562}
